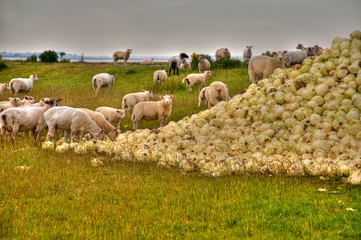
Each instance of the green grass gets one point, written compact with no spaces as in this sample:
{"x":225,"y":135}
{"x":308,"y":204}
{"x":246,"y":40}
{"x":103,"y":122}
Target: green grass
{"x":63,"y":197}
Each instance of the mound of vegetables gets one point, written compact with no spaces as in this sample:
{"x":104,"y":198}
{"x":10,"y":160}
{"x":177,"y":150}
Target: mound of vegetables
{"x":303,"y":120}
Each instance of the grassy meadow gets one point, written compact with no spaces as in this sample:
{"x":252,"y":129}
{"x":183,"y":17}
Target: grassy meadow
{"x":62,"y":196}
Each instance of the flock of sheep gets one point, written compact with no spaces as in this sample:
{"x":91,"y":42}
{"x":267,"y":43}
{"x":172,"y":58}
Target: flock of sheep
{"x":22,"y":115}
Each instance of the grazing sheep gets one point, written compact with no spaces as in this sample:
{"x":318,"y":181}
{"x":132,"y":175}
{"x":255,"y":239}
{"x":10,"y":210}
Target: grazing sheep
{"x":131,"y":99}
{"x":203,"y":64}
{"x":184,"y":64}
{"x":247,"y":53}
{"x":160,"y":110}
{"x":317,"y":50}
{"x":121,"y":55}
{"x":307,"y":50}
{"x":22,"y":119}
{"x":174,"y":62}
{"x":112,"y":115}
{"x":13,"y":102}
{"x":294,"y":57}
{"x":202,"y":96}
{"x":72,"y":121}
{"x":223,"y":53}
{"x":261,"y":67}
{"x":100,"y":120}
{"x":193,"y":79}
{"x":3,"y":88}
{"x":148,"y":61}
{"x":103,"y":80}
{"x":215,"y":93}
{"x":17,"y":85}
{"x":160,"y":76}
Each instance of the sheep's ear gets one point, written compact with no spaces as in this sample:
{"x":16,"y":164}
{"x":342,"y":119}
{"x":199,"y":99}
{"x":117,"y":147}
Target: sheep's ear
{"x":102,"y":131}
{"x":59,"y":100}
{"x":161,"y":97}
{"x":150,"y":91}
{"x":26,"y":97}
{"x":171,"y":96}
{"x":2,"y":109}
{"x":117,"y":111}
{"x":274,"y":53}
{"x":42,"y":99}
{"x":285,"y":52}
{"x":125,"y":109}
{"x":115,"y":129}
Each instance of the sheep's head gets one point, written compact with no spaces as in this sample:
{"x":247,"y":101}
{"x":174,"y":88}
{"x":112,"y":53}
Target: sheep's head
{"x":208,"y":73}
{"x":279,"y":55}
{"x":29,"y":99}
{"x":34,"y":77}
{"x":299,"y":46}
{"x":183,"y":55}
{"x":249,"y":47}
{"x":130,"y":50}
{"x":150,"y":93}
{"x":99,"y":136}
{"x":167,"y":99}
{"x":121,"y":113}
{"x":16,"y":101}
{"x":309,"y":51}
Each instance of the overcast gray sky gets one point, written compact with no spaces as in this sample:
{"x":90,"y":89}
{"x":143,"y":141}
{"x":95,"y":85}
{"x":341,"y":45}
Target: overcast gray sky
{"x":167,"y":27}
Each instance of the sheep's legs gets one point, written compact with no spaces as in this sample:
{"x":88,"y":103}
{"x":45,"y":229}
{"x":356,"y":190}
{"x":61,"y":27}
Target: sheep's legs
{"x":50,"y":135}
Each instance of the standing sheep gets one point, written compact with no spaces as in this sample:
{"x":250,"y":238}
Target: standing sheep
{"x":149,"y":111}
{"x":160,"y":76}
{"x":148,"y":61}
{"x":294,"y":57}
{"x":261,"y":67}
{"x":215,"y":93}
{"x":17,"y":85}
{"x":223,"y":53}
{"x":193,"y":79}
{"x":131,"y":99}
{"x":121,"y":55}
{"x":247,"y":53}
{"x":103,"y":80}
{"x":184,"y":64}
{"x":3,"y":88}
{"x":317,"y":50}
{"x":112,"y":115}
{"x":174,"y":62}
{"x":203,"y":64}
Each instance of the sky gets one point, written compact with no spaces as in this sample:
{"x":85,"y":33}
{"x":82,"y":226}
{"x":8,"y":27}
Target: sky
{"x":168,"y":27}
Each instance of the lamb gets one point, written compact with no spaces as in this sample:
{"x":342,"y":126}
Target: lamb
{"x":223,"y":53}
{"x":131,"y":99}
{"x":294,"y":57}
{"x":203,"y":64}
{"x":160,"y":110}
{"x":193,"y":79}
{"x":215,"y":93}
{"x":17,"y":85}
{"x":100,"y":120}
{"x":148,"y":61}
{"x":307,"y":50}
{"x":72,"y":121}
{"x":261,"y":67}
{"x":112,"y":115}
{"x":160,"y":76}
{"x":184,"y":64}
{"x":247,"y":53}
{"x":121,"y":55}
{"x":3,"y":88}
{"x":202,"y":96}
{"x":103,"y":80}
{"x":27,"y":102}
{"x":317,"y":50}
{"x":174,"y":62}
{"x":22,"y":119}
{"x":13,"y":102}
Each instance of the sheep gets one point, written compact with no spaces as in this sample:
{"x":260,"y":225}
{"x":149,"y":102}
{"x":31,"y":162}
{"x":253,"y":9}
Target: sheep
{"x":223,"y":53}
{"x":174,"y":62}
{"x":22,"y":119}
{"x":294,"y":57}
{"x":100,"y":120}
{"x":148,"y":61}
{"x":247,"y":53}
{"x":27,"y":102}
{"x":17,"y":85}
{"x":103,"y":80}
{"x":202,"y":96}
{"x":160,"y":110}
{"x":317,"y":50}
{"x":261,"y":67}
{"x":160,"y":76}
{"x":203,"y":64}
{"x":72,"y":121}
{"x":121,"y":55}
{"x":307,"y":50}
{"x":13,"y":102}
{"x":112,"y":115}
{"x":215,"y":93}
{"x":3,"y":88}
{"x":131,"y":99}
{"x":193,"y":79}
{"x":184,"y":64}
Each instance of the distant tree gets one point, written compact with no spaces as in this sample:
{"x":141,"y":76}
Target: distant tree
{"x":82,"y":57}
{"x":48,"y":56}
{"x":32,"y":58}
{"x":62,"y":54}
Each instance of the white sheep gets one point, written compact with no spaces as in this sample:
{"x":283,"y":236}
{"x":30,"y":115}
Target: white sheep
{"x":307,"y":50}
{"x":17,"y":85}
{"x":100,"y":120}
{"x":28,"y":101}
{"x":294,"y":57}
{"x":261,"y":67}
{"x":160,"y":76}
{"x":202,"y":96}
{"x":3,"y":88}
{"x":122,"y":55}
{"x":131,"y":99}
{"x":317,"y":50}
{"x":223,"y":53}
{"x":247,"y":53}
{"x":203,"y":64}
{"x":193,"y":79}
{"x":174,"y":63}
{"x":103,"y":80}
{"x":16,"y":120}
{"x":112,"y":115}
{"x":148,"y":61}
{"x":149,"y":111}
{"x":13,"y":102}
{"x":215,"y":93}
{"x":184,"y":64}
{"x":72,"y":121}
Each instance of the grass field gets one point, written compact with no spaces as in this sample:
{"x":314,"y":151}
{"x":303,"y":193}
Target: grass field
{"x":61,"y":196}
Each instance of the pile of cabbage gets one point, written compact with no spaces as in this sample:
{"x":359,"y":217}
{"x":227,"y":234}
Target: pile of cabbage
{"x":300,"y":121}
